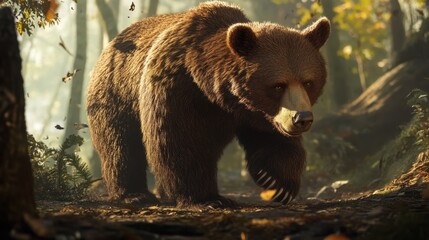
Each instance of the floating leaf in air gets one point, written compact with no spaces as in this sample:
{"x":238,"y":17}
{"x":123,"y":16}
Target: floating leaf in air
{"x":79,"y":126}
{"x":63,"y":45}
{"x":132,"y":7}
{"x":69,"y":76}
{"x":58,"y":127}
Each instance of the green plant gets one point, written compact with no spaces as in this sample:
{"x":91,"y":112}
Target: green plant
{"x":401,"y":152}
{"x":419,"y":127}
{"x":59,"y":173}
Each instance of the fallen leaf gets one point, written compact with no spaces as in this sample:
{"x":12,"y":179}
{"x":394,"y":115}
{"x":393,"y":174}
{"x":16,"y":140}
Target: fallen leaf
{"x":336,"y":236}
{"x":243,"y":236}
{"x":267,"y":195}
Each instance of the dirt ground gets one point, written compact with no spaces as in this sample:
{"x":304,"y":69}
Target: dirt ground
{"x":398,"y":210}
{"x":385,"y":214}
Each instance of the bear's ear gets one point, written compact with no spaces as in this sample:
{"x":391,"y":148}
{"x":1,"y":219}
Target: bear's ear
{"x":241,"y":40}
{"x":318,"y":32}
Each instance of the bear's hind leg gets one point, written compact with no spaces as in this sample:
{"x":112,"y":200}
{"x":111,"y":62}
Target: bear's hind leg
{"x":133,"y":178}
{"x":183,"y":148}
{"x":118,"y":141}
{"x":187,"y":180}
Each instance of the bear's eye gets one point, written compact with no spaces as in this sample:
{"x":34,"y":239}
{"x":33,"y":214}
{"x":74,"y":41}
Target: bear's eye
{"x":308,"y":84}
{"x":279,"y":87}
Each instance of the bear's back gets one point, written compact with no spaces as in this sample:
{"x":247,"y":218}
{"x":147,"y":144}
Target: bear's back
{"x":120,"y":66}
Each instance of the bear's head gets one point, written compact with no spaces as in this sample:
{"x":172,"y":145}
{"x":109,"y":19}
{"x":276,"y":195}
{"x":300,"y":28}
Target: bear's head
{"x":285,"y":72}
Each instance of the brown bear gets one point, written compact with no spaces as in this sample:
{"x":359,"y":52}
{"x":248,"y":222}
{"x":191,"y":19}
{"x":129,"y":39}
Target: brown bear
{"x":174,"y":90}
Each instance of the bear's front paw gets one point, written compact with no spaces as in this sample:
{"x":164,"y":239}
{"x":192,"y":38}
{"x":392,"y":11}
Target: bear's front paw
{"x":282,"y":195}
{"x":283,"y":191}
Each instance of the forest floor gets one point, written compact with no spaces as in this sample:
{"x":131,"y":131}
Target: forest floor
{"x":399,"y":210}
{"x":400,"y":214}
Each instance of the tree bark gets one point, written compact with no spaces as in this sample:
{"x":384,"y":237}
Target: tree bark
{"x":16,"y":177}
{"x":397,"y":29}
{"x":337,"y":69}
{"x":109,"y":19}
{"x":153,"y":8}
{"x":114,"y":5}
{"x":416,"y":46}
{"x":73,"y":114}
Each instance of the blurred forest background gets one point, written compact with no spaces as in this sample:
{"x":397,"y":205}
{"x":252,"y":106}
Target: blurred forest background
{"x":371,"y":123}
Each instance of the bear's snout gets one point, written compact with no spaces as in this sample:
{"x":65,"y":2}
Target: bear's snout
{"x":303,"y":120}
{"x":295,"y":115}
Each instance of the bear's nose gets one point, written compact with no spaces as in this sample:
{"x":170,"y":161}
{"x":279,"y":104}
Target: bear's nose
{"x":303,"y":120}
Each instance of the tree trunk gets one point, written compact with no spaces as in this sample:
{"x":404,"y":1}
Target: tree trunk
{"x":416,"y":46}
{"x":114,"y":5}
{"x":109,"y":19}
{"x":397,"y":29}
{"x":153,"y":7}
{"x":337,"y":69}
{"x":73,"y":114}
{"x":16,"y":177}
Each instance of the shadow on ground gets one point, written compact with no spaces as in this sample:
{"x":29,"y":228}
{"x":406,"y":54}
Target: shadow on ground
{"x":401,"y":214}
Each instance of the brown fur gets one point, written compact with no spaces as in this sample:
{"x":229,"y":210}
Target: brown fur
{"x":190,"y":82}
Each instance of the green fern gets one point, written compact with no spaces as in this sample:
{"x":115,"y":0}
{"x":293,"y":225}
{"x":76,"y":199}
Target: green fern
{"x":59,"y":173}
{"x":419,"y":129}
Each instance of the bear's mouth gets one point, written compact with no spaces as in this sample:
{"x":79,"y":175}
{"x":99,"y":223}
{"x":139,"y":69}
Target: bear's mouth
{"x":283,"y":131}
